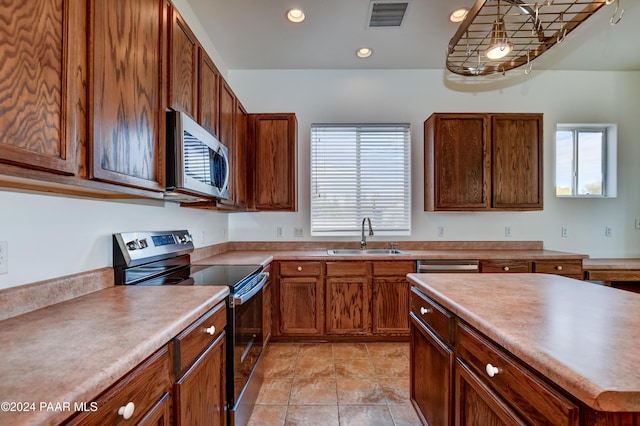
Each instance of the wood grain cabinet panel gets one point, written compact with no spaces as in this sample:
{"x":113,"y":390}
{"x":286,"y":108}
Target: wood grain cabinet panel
{"x":431,"y":367}
{"x":43,"y":51}
{"x":208,"y":93}
{"x":456,"y":162}
{"x":517,"y":161}
{"x":183,"y":68}
{"x":299,"y":299}
{"x":348,"y":305}
{"x":274,"y":162}
{"x":505,"y":266}
{"x":483,"y":161}
{"x":127,"y":113}
{"x":390,"y":297}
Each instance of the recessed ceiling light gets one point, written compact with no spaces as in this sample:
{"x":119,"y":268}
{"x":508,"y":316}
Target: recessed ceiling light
{"x":458,"y":15}
{"x":295,"y":15}
{"x":364,"y":52}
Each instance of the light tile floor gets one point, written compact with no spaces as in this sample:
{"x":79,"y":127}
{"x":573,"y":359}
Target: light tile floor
{"x":335,"y":384}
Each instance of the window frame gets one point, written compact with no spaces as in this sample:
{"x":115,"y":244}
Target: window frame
{"x":351,"y":225}
{"x":607,"y":156}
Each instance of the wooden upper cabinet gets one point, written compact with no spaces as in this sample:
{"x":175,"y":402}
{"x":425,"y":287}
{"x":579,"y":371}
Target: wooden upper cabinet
{"x":273,"y":141}
{"x":517,"y":161}
{"x":483,"y":162}
{"x":456,"y":162}
{"x":126,"y":92}
{"x":43,"y":51}
{"x":227,"y":134}
{"x":208,"y":93}
{"x":240,"y":156}
{"x":183,"y":68}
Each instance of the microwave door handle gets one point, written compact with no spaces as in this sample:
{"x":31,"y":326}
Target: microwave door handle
{"x":245,"y":297}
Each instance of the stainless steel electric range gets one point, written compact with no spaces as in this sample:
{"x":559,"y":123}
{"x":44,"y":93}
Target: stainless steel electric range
{"x":162,"y":258}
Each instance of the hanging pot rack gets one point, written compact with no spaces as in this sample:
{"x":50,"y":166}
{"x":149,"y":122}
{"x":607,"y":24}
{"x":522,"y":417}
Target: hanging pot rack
{"x":522,"y":30}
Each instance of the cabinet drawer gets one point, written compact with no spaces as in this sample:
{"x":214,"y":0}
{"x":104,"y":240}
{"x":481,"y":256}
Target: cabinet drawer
{"x":197,"y":337}
{"x":432,"y":314}
{"x":394,"y":268}
{"x":346,"y":268}
{"x":145,"y":386}
{"x":296,"y":269}
{"x":534,"y":400}
{"x":560,"y":267}
{"x":494,"y":266}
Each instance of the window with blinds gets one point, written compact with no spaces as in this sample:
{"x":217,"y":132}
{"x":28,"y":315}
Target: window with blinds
{"x":358,"y":171}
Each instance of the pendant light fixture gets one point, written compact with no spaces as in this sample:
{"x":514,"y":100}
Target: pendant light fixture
{"x":499,"y":46}
{"x":483,"y":46}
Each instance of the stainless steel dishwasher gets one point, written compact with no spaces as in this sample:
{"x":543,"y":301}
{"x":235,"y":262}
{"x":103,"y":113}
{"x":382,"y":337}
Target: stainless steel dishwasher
{"x":438,"y":266}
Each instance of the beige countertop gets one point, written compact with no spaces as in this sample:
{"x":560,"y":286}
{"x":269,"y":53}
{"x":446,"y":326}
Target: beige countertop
{"x":74,"y":350}
{"x":584,"y":337}
{"x":263,"y":257}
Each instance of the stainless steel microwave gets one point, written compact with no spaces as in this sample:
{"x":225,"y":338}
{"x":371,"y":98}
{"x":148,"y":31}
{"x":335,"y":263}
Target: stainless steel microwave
{"x":197,"y":162}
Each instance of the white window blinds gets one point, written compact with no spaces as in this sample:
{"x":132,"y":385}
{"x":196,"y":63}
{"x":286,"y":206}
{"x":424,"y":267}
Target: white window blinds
{"x":358,"y":171}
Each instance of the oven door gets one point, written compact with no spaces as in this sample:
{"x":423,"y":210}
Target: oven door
{"x":246,"y":334}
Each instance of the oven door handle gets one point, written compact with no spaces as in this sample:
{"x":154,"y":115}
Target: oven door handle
{"x":264,"y":276}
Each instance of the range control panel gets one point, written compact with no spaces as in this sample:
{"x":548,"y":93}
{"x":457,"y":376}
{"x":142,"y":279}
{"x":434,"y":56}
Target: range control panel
{"x":132,"y":248}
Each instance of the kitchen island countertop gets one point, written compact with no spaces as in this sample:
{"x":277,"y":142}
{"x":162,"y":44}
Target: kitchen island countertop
{"x":583,"y":337}
{"x":74,"y":350}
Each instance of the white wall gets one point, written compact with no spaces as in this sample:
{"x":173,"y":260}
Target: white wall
{"x":333,"y":96}
{"x":51,"y":236}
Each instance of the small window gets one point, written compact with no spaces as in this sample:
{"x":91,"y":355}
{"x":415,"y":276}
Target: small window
{"x":358,"y":171}
{"x":585,"y":160}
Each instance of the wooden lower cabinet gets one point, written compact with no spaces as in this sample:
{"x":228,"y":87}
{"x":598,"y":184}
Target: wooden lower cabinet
{"x":140,"y":397}
{"x":267,"y":309}
{"x":390,"y":297}
{"x":505,"y":266}
{"x":199,"y":394}
{"x":431,"y":366}
{"x":477,"y":404}
{"x":347,"y":298}
{"x":300,"y":298}
{"x":200,"y":370}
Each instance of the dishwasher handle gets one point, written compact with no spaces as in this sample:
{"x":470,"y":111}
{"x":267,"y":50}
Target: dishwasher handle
{"x":448,"y":266}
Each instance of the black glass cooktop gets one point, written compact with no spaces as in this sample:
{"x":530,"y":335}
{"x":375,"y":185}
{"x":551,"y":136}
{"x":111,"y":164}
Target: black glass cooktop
{"x":228,"y":275}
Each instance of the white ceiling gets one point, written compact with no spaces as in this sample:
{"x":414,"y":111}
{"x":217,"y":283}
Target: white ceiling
{"x":254,"y":34}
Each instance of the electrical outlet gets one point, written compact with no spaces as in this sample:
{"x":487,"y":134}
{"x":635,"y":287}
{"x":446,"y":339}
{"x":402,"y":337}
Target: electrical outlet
{"x":279,"y":232}
{"x":564,"y":232}
{"x":4,"y":257}
{"x":440,"y":231}
{"x":507,"y":231}
{"x":298,"y":232}
{"x":638,"y":223}
{"x":608,"y":231}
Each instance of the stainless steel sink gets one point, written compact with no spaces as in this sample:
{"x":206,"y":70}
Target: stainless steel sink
{"x":371,"y":252}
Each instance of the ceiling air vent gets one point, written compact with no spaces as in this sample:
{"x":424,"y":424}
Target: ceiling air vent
{"x":385,"y":14}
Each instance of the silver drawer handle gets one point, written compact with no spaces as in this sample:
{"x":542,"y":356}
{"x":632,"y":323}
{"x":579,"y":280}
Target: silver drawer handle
{"x":211,"y":330}
{"x":491,"y":370}
{"x":425,"y":311}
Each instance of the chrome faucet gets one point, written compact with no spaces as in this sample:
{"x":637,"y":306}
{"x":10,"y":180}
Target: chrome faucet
{"x":363,"y":241}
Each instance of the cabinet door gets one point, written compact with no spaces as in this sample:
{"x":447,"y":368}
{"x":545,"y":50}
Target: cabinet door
{"x":126,"y":97}
{"x":348,"y":305}
{"x":456,"y":162}
{"x":208,"y":93}
{"x":274,"y":142}
{"x":431,"y":377}
{"x":300,"y":305}
{"x":226,"y":134}
{"x":517,"y":161}
{"x":183,"y":67}
{"x":43,"y":51}
{"x":240,"y":156}
{"x":200,"y":396}
{"x":390,"y":305}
